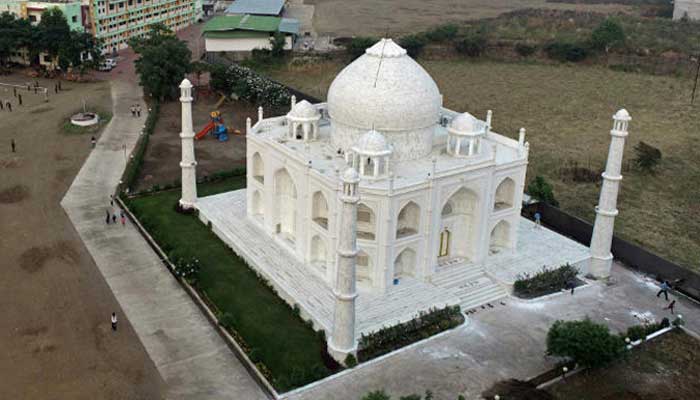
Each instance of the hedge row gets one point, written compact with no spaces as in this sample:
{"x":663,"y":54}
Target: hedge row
{"x":133,"y":167}
{"x":545,"y":282}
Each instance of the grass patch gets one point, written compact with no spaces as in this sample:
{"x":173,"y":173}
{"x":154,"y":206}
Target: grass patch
{"x":70,"y":129}
{"x":274,"y":334}
{"x":567,"y":111}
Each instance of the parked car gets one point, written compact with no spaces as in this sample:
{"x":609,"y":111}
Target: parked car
{"x":104,"y":67}
{"x":111,"y":62}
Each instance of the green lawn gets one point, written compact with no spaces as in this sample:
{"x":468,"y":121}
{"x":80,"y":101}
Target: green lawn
{"x":276,"y":336}
{"x":567,"y":112}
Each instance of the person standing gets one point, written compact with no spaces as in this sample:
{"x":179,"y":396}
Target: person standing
{"x":114,"y":322}
{"x":2,"y":106}
{"x":138,"y":110}
{"x":93,"y":141}
{"x":108,"y":217}
{"x":571,"y":285}
{"x":14,"y":91}
{"x":133,"y":111}
{"x":538,"y":219}
{"x":114,"y":218}
{"x":19,"y":98}
{"x":12,"y":144}
{"x":123,"y":217}
{"x":111,"y":200}
{"x":664,"y":289}
{"x":9,"y":106}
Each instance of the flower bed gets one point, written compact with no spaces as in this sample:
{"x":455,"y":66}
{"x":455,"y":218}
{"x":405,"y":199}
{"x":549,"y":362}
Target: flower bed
{"x":546,"y":281}
{"x":425,"y":325}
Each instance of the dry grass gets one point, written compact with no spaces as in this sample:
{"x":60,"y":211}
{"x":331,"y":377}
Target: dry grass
{"x":567,"y":111}
{"x":665,"y":368}
{"x":372,"y":17}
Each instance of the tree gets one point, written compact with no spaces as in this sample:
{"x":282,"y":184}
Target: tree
{"x":163,"y":62}
{"x":357,"y":45}
{"x":278,"y":41}
{"x":413,"y":44}
{"x":607,"y":35}
{"x":54,"y":32}
{"x":15,"y":33}
{"x":587,"y":343}
{"x":542,"y":190}
{"x":81,"y":51}
{"x":376,"y":395}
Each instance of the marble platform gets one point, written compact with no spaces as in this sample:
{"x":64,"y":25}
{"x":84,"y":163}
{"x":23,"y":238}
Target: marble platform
{"x":458,"y":282}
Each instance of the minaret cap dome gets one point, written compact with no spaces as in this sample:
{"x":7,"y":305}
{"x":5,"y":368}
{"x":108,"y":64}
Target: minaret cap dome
{"x":623,"y":115}
{"x":304,"y":109}
{"x":185,"y":84}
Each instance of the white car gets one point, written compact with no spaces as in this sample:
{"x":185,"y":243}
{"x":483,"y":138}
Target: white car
{"x":111,"y":62}
{"x":104,"y":67}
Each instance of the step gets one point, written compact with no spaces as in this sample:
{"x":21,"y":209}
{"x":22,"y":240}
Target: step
{"x":456,"y":274}
{"x":483,"y":296}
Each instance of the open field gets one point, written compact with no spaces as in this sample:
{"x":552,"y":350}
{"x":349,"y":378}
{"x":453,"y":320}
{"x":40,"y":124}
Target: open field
{"x":567,"y":112}
{"x":55,"y":335}
{"x":276,"y":336}
{"x":664,"y":368}
{"x":372,"y":17}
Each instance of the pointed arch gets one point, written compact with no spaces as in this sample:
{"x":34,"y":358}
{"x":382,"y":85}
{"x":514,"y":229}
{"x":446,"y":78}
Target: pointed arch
{"x":405,"y":264}
{"x":258,"y":205}
{"x":319,"y":253}
{"x":458,"y":220}
{"x":319,"y":209}
{"x":500,"y":237}
{"x":286,"y":207}
{"x":505,"y":193}
{"x":366,"y":222}
{"x":408,"y":221}
{"x":258,"y":168}
{"x":363,"y":268}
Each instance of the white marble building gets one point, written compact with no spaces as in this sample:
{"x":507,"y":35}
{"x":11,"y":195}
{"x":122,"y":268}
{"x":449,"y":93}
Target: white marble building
{"x":436,"y":185}
{"x":418,"y":203}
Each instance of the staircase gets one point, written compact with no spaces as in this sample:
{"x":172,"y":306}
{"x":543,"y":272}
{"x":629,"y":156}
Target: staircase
{"x":470,"y":284}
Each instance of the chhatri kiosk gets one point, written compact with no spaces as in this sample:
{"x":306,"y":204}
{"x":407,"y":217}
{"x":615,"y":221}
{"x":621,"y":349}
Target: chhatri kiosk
{"x":381,"y":203}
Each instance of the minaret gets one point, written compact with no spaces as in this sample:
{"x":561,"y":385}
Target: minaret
{"x":342,"y":340}
{"x":601,"y":241}
{"x":188,"y":162}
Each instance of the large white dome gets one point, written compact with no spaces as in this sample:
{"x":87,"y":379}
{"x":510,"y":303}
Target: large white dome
{"x":386,"y":90}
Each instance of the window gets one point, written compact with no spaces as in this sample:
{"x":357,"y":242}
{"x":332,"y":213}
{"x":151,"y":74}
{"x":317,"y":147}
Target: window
{"x":74,"y":18}
{"x":32,"y":18}
{"x":111,"y":7}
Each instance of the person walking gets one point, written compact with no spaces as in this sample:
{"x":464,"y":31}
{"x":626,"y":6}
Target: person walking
{"x":123,"y":217}
{"x":12,"y":144}
{"x":664,"y":289}
{"x":19,"y":98}
{"x":114,"y":322}
{"x":108,"y":217}
{"x":9,"y":106}
{"x":538,"y":219}
{"x":138,"y":110}
{"x":93,"y":141}
{"x":114,"y":218}
{"x":14,"y":91}
{"x":111,"y":200}
{"x":670,"y":306}
{"x":2,"y":105}
{"x":133,"y":111}
{"x":571,"y":285}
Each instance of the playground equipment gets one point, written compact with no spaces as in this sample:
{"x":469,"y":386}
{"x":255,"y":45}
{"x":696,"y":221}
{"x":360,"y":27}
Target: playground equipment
{"x":216,"y":127}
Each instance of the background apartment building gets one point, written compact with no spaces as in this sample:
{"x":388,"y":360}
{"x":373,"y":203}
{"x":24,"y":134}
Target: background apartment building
{"x":32,"y":10}
{"x":116,"y":21}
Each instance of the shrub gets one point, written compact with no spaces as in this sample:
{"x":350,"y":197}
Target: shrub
{"x":545,"y":281}
{"x":357,"y":45}
{"x":187,"y":269}
{"x":248,"y":85}
{"x":473,"y":45}
{"x":376,"y":395}
{"x":607,"y":35}
{"x":565,"y":51}
{"x":587,"y":343}
{"x":413,"y":44}
{"x":638,"y":332}
{"x":350,"y":361}
{"x":648,"y":156}
{"x":516,"y":389}
{"x":524,"y":49}
{"x":424,"y":325}
{"x":542,"y":190}
{"x":133,"y":167}
{"x":442,"y":33}
{"x":228,"y":321}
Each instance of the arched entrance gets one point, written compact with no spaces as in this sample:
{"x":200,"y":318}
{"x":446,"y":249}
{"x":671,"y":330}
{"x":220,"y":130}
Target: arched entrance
{"x":286,"y":207}
{"x":405,"y":264}
{"x":458,"y":219}
{"x":500,"y":237}
{"x":318,"y":253}
{"x":408,"y":221}
{"x":505,"y":192}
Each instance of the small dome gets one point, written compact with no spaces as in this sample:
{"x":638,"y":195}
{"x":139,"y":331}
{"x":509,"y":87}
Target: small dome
{"x":351,"y":176}
{"x":185,"y":84}
{"x":372,"y":142}
{"x":304,"y":109}
{"x":465,"y":123}
{"x":622,"y":115}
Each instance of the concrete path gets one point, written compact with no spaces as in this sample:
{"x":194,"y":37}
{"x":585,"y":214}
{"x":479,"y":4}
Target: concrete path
{"x":507,"y":341}
{"x":190,"y":356}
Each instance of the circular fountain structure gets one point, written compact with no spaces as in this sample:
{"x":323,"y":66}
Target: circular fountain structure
{"x":85,"y":119}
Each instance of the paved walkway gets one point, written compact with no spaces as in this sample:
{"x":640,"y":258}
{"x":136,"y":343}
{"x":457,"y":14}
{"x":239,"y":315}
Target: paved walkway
{"x":507,"y":341}
{"x":190,"y":356}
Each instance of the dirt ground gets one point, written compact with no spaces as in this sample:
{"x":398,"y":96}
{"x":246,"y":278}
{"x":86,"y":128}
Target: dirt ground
{"x":55,"y":335}
{"x":162,"y":160}
{"x":665,"y":368}
{"x":395,"y":18}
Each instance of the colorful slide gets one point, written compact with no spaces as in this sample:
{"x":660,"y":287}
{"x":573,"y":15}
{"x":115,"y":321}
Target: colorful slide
{"x":207,"y":128}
